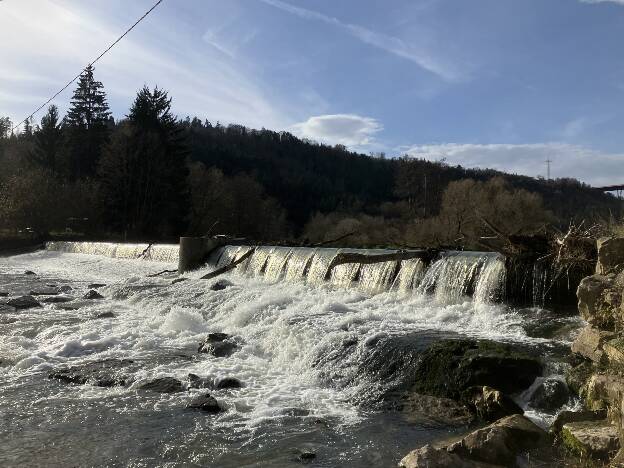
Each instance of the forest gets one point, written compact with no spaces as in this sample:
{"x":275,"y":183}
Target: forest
{"x":152,"y":176}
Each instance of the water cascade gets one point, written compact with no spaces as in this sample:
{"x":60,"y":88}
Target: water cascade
{"x":449,"y":279}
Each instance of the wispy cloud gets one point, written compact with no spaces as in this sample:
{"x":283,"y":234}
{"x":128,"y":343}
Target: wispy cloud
{"x":619,"y":2}
{"x":63,"y":36}
{"x":350,"y":130}
{"x":588,"y":165}
{"x":393,"y":45}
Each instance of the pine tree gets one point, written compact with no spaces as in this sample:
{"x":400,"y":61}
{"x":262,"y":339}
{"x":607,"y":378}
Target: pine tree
{"x":87,"y":122}
{"x":143,"y":172}
{"x":48,"y":140}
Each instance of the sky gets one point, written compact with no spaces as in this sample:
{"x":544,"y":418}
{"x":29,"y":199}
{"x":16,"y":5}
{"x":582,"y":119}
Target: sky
{"x":505,"y":84}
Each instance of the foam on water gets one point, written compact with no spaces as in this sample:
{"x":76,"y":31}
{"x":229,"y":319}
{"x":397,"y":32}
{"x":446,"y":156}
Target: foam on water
{"x":283,"y":321}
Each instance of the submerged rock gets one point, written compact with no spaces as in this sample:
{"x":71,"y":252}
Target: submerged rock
{"x":93,"y":294}
{"x":108,"y":373}
{"x":218,"y":344}
{"x":489,"y":404}
{"x":195,"y":381}
{"x":44,"y":292}
{"x":179,"y":280}
{"x":450,"y":367}
{"x":228,"y":382}
{"x":23,"y":302}
{"x":3,"y":294}
{"x":425,"y":409}
{"x":205,"y":402}
{"x":591,"y":439}
{"x":220,"y":285}
{"x":57,"y":299}
{"x":550,"y":395}
{"x":30,"y":273}
{"x":307,"y":456}
{"x":163,"y":385}
{"x":105,"y":315}
{"x":96,"y":285}
{"x":65,"y":288}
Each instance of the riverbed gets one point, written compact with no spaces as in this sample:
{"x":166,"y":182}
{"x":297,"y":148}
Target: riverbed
{"x":296,"y":406}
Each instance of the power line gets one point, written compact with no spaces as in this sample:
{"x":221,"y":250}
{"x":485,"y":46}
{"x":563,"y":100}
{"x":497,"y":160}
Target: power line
{"x":91,"y":63}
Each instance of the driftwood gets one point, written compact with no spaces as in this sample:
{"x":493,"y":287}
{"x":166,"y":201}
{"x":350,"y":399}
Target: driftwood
{"x":363,"y":259}
{"x":331,"y":241}
{"x":231,"y":266}
{"x":162,"y":273}
{"x":144,"y":253}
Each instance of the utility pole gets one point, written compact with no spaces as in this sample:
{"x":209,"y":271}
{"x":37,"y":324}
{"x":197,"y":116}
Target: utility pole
{"x":548,"y":161}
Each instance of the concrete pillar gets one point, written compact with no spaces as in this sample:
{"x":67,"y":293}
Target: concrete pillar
{"x":193,"y":252}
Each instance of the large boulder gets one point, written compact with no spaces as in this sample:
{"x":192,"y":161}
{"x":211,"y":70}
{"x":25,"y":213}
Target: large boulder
{"x":589,"y":343}
{"x":614,"y":351}
{"x":591,"y":439}
{"x":489,"y":404}
{"x":449,"y":367}
{"x":610,"y":255}
{"x":496,"y":445}
{"x":599,"y":301}
{"x":432,"y":457}
{"x":550,"y":395}
{"x":565,"y":417}
{"x":501,"y":441}
{"x":604,"y":391}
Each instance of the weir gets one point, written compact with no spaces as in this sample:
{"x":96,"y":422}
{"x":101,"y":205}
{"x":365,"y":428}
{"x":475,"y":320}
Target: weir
{"x":450,"y":277}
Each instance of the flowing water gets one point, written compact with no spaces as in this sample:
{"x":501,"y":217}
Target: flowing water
{"x":302,"y":334}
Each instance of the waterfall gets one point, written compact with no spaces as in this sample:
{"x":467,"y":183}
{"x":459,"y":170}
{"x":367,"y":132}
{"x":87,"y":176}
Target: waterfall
{"x":410,"y":275}
{"x":153,"y":252}
{"x":450,"y":279}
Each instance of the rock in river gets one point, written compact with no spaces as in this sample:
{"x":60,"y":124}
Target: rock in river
{"x":490,"y":404}
{"x":218,"y":344}
{"x":93,"y":294}
{"x":449,"y":367}
{"x":105,"y":315}
{"x":23,"y":302}
{"x":550,"y":395}
{"x":163,"y":385}
{"x":220,"y":285}
{"x":205,"y":402}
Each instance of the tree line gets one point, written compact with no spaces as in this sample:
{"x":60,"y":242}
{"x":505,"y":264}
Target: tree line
{"x":151,"y":176}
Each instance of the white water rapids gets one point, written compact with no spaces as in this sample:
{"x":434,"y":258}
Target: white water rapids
{"x":283,"y":314}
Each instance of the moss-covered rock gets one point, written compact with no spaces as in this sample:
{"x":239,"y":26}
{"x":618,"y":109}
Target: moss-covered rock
{"x":578,"y":376}
{"x":591,"y":439}
{"x":450,"y":367}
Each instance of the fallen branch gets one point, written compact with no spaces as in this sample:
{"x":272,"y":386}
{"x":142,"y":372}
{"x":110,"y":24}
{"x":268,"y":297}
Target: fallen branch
{"x":144,"y":253}
{"x":231,"y":266}
{"x":162,"y":273}
{"x":331,"y":241}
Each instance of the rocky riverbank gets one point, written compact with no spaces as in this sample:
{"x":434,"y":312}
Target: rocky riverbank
{"x":475,"y":379}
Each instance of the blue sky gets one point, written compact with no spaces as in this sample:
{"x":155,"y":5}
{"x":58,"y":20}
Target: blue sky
{"x":482,"y":83}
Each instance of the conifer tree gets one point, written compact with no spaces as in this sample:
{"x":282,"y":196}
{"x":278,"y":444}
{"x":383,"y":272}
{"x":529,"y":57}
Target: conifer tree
{"x":48,"y":140}
{"x":87,"y":123}
{"x":143,"y":172}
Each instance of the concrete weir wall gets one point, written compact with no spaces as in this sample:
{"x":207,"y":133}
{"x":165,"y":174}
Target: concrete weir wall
{"x":194,"y":252}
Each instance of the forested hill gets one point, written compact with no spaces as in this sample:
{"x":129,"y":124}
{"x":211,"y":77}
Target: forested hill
{"x":151,"y":176}
{"x":306,"y":177}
